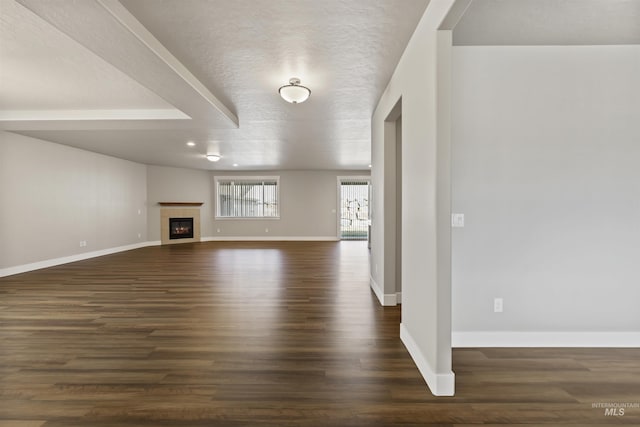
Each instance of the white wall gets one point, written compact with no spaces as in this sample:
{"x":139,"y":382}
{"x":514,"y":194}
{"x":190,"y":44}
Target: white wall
{"x":308,"y":203}
{"x":421,"y":80}
{"x":546,"y":169}
{"x":53,"y":196}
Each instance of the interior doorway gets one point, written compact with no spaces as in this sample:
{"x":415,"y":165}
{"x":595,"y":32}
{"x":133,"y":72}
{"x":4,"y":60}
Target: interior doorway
{"x":353,"y":214}
{"x":393,"y":205}
{"x":399,"y":210}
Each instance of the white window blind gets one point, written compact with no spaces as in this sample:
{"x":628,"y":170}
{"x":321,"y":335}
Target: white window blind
{"x":247,"y":197}
{"x":354,"y":208}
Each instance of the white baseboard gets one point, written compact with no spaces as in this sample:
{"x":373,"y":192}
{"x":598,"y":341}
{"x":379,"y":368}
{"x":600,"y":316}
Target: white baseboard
{"x":376,"y":289}
{"x":398,"y":297}
{"x":439,"y":384}
{"x":269,"y":239}
{"x":390,"y":300}
{"x":10,"y":271}
{"x":545,"y":339}
{"x":385,"y":299}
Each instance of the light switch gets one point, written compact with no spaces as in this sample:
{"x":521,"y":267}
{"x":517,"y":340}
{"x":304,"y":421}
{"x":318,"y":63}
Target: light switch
{"x":457,"y":220}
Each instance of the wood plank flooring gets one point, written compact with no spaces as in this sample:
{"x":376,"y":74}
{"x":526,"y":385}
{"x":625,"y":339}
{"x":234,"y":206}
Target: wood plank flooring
{"x":263,"y":334}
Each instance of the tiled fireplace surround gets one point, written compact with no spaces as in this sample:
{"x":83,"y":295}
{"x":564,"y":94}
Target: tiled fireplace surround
{"x":179,"y":210}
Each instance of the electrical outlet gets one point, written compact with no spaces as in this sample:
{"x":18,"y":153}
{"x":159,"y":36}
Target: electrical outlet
{"x":457,"y":220}
{"x":139,"y":235}
{"x":266,"y":230}
{"x":498,"y":305}
{"x":218,"y":230}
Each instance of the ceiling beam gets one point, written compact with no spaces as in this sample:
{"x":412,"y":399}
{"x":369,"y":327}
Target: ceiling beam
{"x":455,"y":14}
{"x":110,"y":31}
{"x":66,"y":115}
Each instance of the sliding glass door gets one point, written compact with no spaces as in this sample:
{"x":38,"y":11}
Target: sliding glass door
{"x":354,"y":208}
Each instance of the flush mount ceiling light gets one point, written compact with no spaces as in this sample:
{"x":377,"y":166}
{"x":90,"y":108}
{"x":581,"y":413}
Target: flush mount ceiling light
{"x":294,"y":92}
{"x":213,"y":157}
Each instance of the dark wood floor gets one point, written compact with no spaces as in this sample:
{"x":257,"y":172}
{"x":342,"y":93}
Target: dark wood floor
{"x":263,"y":334}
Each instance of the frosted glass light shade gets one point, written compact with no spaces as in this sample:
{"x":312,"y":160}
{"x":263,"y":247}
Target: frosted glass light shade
{"x":294,"y":92}
{"x":213,"y":157}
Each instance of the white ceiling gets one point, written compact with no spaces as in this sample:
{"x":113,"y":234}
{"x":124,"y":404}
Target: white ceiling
{"x":36,"y":75}
{"x":137,"y":79}
{"x":549,"y":22}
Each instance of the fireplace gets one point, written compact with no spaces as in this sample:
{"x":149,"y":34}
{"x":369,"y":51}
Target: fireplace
{"x":180,"y":228}
{"x":179,"y":222}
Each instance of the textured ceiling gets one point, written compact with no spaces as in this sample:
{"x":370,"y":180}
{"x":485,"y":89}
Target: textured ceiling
{"x":153,"y":64}
{"x":138,"y":79}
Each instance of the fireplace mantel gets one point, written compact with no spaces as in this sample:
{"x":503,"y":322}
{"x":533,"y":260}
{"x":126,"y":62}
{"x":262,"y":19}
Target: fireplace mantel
{"x":180,"y":203}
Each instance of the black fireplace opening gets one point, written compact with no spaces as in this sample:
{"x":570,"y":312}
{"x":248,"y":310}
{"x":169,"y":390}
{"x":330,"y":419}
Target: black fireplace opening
{"x":180,"y":228}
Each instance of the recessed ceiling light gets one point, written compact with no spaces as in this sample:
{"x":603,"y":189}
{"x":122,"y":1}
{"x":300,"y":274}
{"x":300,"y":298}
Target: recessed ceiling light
{"x":235,"y":165}
{"x":294,"y":92}
{"x":213,"y":157}
{"x":369,"y":165}
{"x":191,"y":144}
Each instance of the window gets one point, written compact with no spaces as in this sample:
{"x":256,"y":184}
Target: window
{"x":247,"y":197}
